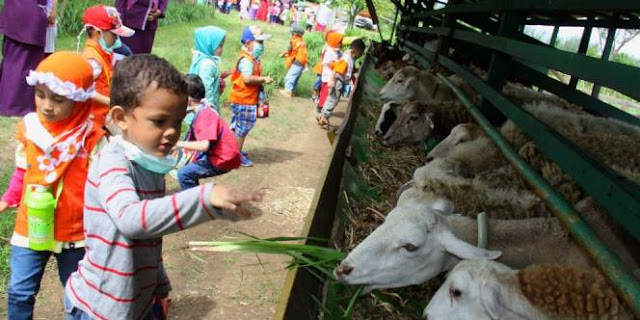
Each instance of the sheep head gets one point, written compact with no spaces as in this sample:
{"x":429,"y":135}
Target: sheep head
{"x":404,"y":85}
{"x":413,"y":245}
{"x":460,"y":134}
{"x":388,"y":115}
{"x":480,"y":289}
{"x":414,"y":123}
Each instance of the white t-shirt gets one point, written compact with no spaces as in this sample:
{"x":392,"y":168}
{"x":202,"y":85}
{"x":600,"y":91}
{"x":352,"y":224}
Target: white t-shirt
{"x":330,"y":55}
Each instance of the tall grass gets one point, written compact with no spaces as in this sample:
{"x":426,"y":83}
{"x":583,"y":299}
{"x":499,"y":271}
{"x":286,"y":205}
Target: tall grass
{"x":71,"y":11}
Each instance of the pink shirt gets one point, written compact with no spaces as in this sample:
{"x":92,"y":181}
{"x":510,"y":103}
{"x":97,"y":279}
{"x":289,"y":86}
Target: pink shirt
{"x":223,"y":150}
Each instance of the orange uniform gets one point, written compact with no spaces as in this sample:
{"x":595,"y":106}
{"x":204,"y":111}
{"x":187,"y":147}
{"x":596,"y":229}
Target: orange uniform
{"x":242,"y":93}
{"x":298,"y":52}
{"x":93,"y":51}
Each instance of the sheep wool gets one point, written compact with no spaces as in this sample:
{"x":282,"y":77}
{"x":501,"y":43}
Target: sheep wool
{"x":570,"y":292}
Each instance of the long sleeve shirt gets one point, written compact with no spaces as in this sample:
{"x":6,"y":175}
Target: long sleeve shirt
{"x":126,"y":214}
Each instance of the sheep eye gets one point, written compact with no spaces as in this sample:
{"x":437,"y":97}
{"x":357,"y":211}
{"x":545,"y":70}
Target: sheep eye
{"x":400,"y":80}
{"x":455,"y":293}
{"x":413,"y":117}
{"x":410,"y":247}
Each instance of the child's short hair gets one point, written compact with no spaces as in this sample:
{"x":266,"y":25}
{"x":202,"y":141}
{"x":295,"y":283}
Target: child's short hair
{"x":135,"y":74}
{"x":195,"y":86}
{"x":358,"y":44}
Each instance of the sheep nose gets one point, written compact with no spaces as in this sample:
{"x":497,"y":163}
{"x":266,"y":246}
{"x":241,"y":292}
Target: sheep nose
{"x":344,"y":269}
{"x":379,"y":133}
{"x":430,"y":158}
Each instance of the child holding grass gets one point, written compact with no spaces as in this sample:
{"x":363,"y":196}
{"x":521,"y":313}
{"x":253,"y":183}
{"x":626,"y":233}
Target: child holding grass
{"x":209,"y":45}
{"x":56,"y":143}
{"x":215,"y":147}
{"x":126,"y":210}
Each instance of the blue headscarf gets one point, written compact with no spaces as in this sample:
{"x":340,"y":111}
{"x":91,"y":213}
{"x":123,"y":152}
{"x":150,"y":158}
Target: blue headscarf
{"x":207,"y":40}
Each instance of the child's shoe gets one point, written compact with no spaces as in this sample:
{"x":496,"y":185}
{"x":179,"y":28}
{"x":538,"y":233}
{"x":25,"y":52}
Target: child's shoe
{"x":245,"y":161}
{"x":286,"y":93}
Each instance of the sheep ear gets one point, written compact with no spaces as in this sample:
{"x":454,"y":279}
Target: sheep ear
{"x":490,"y":300}
{"x":442,"y":204}
{"x":493,"y":301}
{"x":464,"y":250}
{"x":427,"y":117}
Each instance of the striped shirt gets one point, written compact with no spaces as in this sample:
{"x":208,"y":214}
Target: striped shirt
{"x":126,"y":214}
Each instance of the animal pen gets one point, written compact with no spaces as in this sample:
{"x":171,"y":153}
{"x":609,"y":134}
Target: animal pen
{"x":489,"y":34}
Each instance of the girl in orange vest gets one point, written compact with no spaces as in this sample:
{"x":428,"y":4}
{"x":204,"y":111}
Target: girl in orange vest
{"x":247,"y":81}
{"x":295,"y":61}
{"x":55,"y":145}
{"x":104,"y":29}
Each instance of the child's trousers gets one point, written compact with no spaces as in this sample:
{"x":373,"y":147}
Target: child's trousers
{"x":189,"y":175}
{"x":292,"y":77}
{"x":27,"y":268}
{"x":333,"y":98}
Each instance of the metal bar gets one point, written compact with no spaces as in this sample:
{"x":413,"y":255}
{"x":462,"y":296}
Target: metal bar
{"x":554,"y":36}
{"x":617,"y":76}
{"x":620,"y":197}
{"x":535,"y":5}
{"x":582,"y":49}
{"x":395,"y":24}
{"x":606,"y":53}
{"x":619,"y":275}
{"x":374,"y":16}
{"x":564,"y":91}
{"x":600,"y":23}
{"x":498,"y":72}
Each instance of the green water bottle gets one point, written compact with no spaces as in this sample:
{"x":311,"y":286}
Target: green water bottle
{"x":41,"y":206}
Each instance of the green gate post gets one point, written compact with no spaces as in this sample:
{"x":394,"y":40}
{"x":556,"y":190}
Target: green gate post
{"x":606,"y":53}
{"x":584,"y":45}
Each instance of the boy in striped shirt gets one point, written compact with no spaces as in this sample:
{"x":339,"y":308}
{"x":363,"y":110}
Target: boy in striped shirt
{"x":126,"y":211}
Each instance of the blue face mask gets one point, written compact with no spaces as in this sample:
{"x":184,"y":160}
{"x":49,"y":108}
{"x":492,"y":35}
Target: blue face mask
{"x":258,"y":50}
{"x":116,"y":45}
{"x":154,"y":164}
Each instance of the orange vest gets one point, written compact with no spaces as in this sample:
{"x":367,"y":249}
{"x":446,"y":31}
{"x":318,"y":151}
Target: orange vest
{"x":92,"y":50}
{"x":70,"y":208}
{"x":298,"y":52}
{"x":242,"y":93}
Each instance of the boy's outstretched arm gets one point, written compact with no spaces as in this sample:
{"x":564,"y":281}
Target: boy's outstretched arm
{"x":142,"y":219}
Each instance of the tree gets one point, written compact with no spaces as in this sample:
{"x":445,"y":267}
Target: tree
{"x":622,"y":37}
{"x":352,"y":8}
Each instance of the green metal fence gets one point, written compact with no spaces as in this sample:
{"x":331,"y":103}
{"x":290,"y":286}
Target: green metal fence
{"x":489,"y":33}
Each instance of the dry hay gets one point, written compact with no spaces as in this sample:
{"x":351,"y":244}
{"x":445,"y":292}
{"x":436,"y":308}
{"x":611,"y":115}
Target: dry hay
{"x":386,"y":170}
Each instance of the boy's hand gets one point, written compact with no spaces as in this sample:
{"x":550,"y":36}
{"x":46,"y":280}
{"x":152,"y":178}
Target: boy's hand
{"x":3,"y":206}
{"x":225,"y":198}
{"x":267,"y":80}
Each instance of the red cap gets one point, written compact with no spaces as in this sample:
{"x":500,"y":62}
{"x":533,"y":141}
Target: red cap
{"x":106,"y":19}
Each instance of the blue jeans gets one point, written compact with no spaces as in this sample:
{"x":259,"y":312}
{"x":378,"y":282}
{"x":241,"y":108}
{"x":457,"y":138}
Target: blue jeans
{"x":27,"y":268}
{"x":292,"y":77}
{"x":189,"y":175}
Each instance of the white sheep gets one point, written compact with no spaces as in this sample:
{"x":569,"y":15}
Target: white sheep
{"x":609,"y":141}
{"x":421,"y":238}
{"x":411,"y":83}
{"x":421,"y":119}
{"x":481,"y":289}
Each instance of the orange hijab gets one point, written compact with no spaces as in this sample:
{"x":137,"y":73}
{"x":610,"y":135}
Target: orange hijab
{"x":58,"y":143}
{"x":334,"y":39}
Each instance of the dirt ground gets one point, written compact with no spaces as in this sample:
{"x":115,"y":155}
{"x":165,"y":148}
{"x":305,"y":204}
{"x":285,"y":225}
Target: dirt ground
{"x":288,"y":165}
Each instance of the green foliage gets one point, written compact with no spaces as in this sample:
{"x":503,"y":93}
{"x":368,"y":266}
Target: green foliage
{"x":70,"y":15}
{"x":184,"y":13}
{"x":276,"y":70}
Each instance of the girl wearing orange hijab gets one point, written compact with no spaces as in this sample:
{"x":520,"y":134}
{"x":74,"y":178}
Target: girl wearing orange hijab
{"x":55,"y":146}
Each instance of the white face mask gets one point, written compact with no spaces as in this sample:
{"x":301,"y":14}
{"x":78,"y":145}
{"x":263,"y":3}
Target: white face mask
{"x":152,"y":163}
